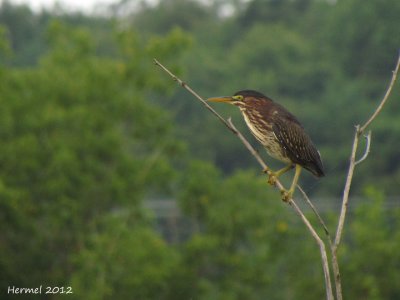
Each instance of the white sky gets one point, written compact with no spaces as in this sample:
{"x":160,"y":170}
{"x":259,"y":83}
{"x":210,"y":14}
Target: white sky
{"x":89,"y":6}
{"x":74,"y":5}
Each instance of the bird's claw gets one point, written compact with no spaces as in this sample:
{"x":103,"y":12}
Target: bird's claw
{"x":286,"y":195}
{"x":271,"y":176}
{"x":272,"y":179}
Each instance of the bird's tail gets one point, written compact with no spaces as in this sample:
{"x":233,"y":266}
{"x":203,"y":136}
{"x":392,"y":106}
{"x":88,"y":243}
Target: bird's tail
{"x":316,"y":169}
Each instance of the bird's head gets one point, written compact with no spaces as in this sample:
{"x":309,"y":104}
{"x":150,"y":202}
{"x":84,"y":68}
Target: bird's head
{"x":241,"y":98}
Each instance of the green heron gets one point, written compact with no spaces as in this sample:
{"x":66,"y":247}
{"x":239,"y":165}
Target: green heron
{"x":279,"y":132}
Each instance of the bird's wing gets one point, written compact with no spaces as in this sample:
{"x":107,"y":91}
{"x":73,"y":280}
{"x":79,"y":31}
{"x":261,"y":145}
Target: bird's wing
{"x":297,"y":145}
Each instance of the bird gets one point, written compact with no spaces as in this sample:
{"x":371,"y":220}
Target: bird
{"x":281,"y":134}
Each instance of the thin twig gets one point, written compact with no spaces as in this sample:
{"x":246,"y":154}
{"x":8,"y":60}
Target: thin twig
{"x":321,"y":221}
{"x":342,"y":215}
{"x":336,"y":273}
{"x":388,"y":91}
{"x":346,"y":191}
{"x":321,"y":244}
{"x":292,"y":203}
{"x":185,"y":86}
{"x":367,"y":148}
{"x":358,"y":132}
{"x":352,"y":164}
{"x":335,"y":264}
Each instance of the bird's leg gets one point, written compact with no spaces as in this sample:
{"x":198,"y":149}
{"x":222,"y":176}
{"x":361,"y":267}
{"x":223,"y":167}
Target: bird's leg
{"x":273,"y":176}
{"x":287,"y":195}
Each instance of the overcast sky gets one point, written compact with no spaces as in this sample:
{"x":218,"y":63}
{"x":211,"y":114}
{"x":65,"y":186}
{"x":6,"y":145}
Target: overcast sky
{"x":81,"y":5}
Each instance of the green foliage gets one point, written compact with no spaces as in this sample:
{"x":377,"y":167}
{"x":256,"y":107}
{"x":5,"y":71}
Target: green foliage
{"x":246,"y":240}
{"x":200,"y":185}
{"x":372,"y":250}
{"x":79,"y":142}
{"x":373,"y":45}
{"x":228,"y":255}
{"x":123,"y":261}
{"x":281,"y":62}
{"x":5,"y":45}
{"x":185,"y":14}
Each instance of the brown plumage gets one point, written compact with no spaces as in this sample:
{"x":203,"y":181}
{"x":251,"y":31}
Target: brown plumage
{"x":279,"y":132}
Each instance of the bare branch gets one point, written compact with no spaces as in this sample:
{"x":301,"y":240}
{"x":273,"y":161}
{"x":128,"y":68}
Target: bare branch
{"x":325,"y":265}
{"x":335,"y":264}
{"x":186,"y":87}
{"x":367,"y":148}
{"x":352,"y":164}
{"x":388,"y":91}
{"x":346,"y":191}
{"x":336,"y":273}
{"x":321,"y":221}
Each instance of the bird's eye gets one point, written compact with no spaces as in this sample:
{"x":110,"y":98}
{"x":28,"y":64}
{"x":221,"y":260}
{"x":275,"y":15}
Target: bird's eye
{"x":238,"y":97}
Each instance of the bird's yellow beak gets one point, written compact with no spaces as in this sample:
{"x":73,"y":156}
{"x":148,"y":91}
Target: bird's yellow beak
{"x":226,"y":99}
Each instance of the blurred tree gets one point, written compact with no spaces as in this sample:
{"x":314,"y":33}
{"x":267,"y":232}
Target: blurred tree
{"x":276,"y":59}
{"x":247,"y":245}
{"x":369,"y":50}
{"x":274,"y":11}
{"x":122,"y":262}
{"x":25,"y":30}
{"x":185,"y":14}
{"x":78,"y":143}
{"x":370,"y":263}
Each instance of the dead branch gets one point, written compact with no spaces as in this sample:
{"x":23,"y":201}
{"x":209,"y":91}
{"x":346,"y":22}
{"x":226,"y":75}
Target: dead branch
{"x":352,"y":164}
{"x":367,"y":148}
{"x":359,"y":131}
{"x":186,"y":87}
{"x":321,"y":244}
{"x":321,"y":221}
{"x":384,"y":99}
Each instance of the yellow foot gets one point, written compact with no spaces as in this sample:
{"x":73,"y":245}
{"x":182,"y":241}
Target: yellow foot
{"x":272,"y":179}
{"x":271,"y":176}
{"x":287,"y":195}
